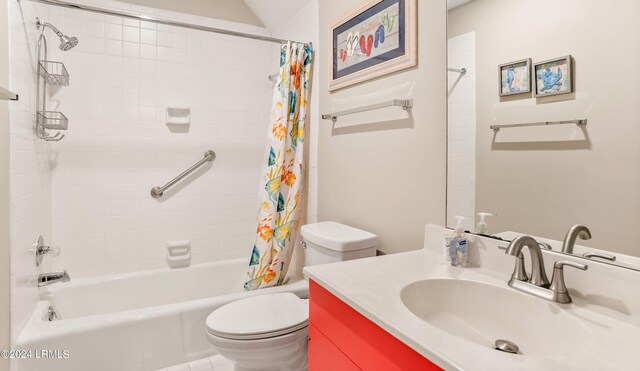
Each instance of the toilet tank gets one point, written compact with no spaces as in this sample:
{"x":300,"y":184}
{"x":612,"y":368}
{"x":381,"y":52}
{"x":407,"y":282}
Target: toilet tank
{"x":330,"y":242}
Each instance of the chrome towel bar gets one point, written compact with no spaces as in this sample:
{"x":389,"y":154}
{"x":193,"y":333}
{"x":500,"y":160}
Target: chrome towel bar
{"x":157,"y":192}
{"x":461,"y":71}
{"x":404,"y":103}
{"x":579,"y":122}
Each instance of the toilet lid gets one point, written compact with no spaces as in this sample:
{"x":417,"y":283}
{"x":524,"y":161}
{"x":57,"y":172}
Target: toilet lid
{"x":259,"y":317}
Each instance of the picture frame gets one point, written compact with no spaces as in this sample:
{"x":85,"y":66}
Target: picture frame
{"x":377,"y":38}
{"x":553,"y":77}
{"x":514,"y":77}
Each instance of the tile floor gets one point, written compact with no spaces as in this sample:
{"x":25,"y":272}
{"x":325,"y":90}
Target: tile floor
{"x":213,"y":363}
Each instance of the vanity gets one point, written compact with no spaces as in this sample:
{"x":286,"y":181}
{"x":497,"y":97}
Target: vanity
{"x":543,"y":136}
{"x":413,"y":311}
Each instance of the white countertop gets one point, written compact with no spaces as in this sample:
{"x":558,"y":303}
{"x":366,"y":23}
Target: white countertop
{"x":373,"y":287}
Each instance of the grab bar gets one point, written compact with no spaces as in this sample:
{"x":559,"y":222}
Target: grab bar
{"x":156,"y":192}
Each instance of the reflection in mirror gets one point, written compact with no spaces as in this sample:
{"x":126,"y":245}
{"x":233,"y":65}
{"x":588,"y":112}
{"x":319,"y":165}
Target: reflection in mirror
{"x":540,"y":179}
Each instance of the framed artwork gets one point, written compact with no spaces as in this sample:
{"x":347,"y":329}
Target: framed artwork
{"x":553,"y":77}
{"x":378,"y":38}
{"x":515,"y":77}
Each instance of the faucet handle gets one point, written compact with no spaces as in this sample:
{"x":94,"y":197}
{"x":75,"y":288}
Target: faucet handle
{"x":52,"y":250}
{"x":558,"y":287}
{"x":561,"y":264}
{"x":599,"y":255}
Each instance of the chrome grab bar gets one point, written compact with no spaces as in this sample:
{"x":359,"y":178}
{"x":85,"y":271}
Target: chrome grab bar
{"x":157,"y":192}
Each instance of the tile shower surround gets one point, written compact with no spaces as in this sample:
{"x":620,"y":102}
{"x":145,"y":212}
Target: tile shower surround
{"x":89,"y":193}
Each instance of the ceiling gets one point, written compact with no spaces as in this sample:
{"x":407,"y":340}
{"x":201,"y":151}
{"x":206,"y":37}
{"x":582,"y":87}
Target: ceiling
{"x":274,"y":13}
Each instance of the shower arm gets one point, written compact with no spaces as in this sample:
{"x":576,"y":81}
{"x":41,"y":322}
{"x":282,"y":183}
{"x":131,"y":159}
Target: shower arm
{"x":42,"y":24}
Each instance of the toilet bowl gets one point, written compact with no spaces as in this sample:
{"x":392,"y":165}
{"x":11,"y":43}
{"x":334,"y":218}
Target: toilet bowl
{"x":264,"y":332}
{"x":269,"y":332}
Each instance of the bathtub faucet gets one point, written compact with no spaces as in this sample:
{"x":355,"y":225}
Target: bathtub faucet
{"x":50,"y":278}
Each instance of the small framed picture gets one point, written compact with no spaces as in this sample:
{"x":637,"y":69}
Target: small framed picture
{"x":515,"y":77}
{"x":553,"y":77}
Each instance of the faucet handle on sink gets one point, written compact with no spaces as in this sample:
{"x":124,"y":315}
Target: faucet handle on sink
{"x":558,"y":287}
{"x":561,"y":264}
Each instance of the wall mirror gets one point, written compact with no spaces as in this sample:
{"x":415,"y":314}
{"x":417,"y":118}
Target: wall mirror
{"x":560,"y":81}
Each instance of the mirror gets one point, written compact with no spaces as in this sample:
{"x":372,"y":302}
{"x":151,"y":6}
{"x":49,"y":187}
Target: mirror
{"x":523,"y":64}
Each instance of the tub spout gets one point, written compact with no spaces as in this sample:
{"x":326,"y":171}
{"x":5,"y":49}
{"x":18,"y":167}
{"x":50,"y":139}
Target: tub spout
{"x":51,"y":278}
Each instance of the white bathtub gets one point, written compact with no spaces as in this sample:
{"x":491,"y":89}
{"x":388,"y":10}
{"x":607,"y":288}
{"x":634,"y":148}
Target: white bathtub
{"x":139,"y":321}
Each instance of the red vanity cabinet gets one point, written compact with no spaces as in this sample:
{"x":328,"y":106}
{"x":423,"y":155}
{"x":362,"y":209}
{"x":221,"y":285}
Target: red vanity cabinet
{"x":342,"y":339}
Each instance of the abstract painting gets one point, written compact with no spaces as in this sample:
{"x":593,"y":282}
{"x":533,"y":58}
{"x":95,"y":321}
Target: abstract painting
{"x":515,"y":77}
{"x":553,"y":77}
{"x":376,"y":39}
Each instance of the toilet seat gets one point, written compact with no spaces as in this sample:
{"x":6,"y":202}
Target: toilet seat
{"x":259,"y":317}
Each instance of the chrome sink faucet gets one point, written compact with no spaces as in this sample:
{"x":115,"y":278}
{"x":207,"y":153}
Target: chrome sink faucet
{"x":576,"y":231}
{"x":538,"y":285}
{"x":51,"y":278}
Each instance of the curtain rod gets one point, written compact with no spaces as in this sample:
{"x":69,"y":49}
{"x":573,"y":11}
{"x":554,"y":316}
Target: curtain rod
{"x":154,"y":19}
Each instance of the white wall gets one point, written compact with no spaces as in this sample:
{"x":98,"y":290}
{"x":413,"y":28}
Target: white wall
{"x":230,"y":10}
{"x":30,"y":166}
{"x":123,"y":75}
{"x":461,"y":149}
{"x":89,"y":193}
{"x":5,"y":272}
{"x":388,"y":177}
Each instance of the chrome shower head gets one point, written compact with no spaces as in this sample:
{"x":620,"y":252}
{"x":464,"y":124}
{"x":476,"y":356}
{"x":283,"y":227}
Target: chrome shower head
{"x":66,"y":42}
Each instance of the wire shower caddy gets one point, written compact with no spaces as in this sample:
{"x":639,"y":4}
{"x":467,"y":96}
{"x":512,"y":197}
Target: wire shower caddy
{"x":49,"y":73}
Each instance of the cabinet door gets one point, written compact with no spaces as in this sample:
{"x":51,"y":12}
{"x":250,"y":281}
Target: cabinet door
{"x":324,"y":356}
{"x":366,"y":344}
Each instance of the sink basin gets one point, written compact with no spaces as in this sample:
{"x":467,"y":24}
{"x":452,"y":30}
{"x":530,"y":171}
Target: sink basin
{"x":483,"y":313}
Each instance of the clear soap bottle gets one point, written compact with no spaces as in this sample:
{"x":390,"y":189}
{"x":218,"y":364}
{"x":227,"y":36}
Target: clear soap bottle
{"x":457,"y":245}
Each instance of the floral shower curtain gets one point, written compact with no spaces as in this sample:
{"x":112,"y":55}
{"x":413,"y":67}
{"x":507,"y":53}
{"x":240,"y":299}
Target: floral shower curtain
{"x":283,"y":183}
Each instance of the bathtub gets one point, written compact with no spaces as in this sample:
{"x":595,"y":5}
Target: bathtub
{"x":139,"y":321}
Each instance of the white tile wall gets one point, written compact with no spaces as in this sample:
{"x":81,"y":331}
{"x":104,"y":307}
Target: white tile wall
{"x":123,"y":75}
{"x":89,"y":193}
{"x":30,"y":166}
{"x":461,"y":167}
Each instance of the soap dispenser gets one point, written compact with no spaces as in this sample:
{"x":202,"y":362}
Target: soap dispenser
{"x":456,"y":245}
{"x":482,"y":227}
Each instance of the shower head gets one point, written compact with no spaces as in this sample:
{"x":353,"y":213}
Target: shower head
{"x":66,"y":42}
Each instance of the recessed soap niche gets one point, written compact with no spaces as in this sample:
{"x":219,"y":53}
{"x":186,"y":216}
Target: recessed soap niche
{"x":178,"y":116}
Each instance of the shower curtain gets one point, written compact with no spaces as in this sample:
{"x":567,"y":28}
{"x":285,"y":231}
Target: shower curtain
{"x":282,"y":183}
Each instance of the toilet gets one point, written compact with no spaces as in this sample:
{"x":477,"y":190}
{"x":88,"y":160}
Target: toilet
{"x":269,"y":332}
